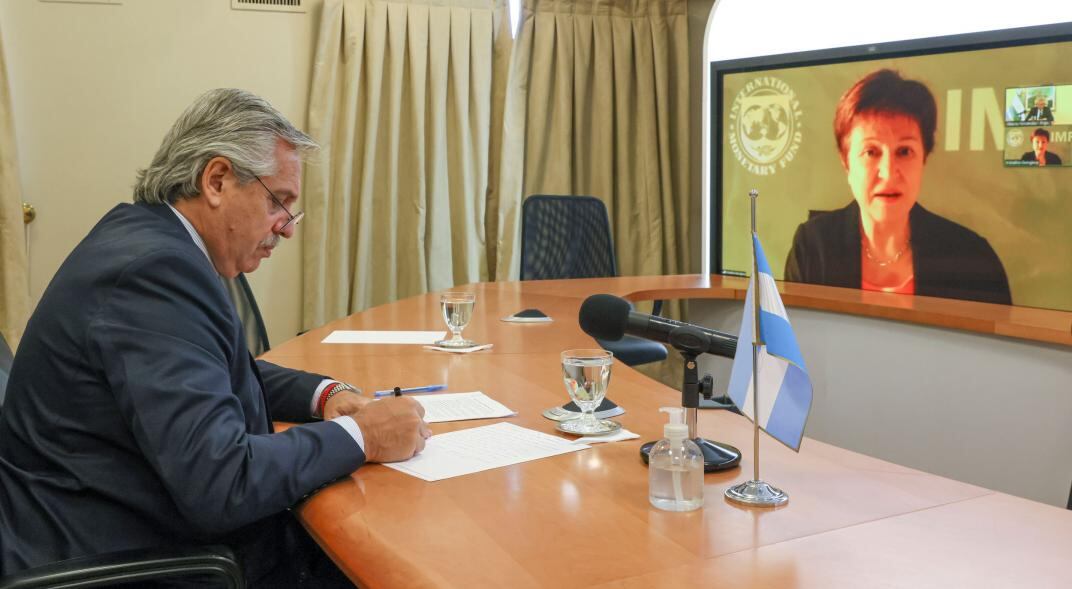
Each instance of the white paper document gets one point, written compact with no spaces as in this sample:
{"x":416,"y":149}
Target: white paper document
{"x":618,"y":436}
{"x":461,"y":406}
{"x":383,"y":337}
{"x":513,"y":319}
{"x":460,"y":350}
{"x":482,"y":448}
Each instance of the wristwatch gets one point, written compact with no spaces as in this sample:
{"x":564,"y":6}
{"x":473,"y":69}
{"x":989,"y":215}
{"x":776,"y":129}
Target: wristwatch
{"x":330,"y":391}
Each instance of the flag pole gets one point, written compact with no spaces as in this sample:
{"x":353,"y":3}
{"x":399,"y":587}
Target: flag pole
{"x":756,"y":492}
{"x":757,"y":341}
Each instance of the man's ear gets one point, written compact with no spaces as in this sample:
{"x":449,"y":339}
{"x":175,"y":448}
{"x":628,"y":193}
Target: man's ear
{"x":214,"y":178}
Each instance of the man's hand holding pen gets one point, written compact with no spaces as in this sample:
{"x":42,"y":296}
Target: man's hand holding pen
{"x":393,"y":428}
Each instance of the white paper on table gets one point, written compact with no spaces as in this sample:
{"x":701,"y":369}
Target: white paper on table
{"x":460,"y":350}
{"x":461,"y":406}
{"x":383,"y":337}
{"x":618,"y":436}
{"x":512,"y":319}
{"x":482,"y":448}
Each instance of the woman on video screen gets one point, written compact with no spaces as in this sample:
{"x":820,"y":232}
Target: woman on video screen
{"x":885,"y":240}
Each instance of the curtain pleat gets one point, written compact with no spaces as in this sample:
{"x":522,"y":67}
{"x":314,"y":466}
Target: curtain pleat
{"x":14,"y":266}
{"x":401,"y":101}
{"x":435,"y":126}
{"x":599,"y":90}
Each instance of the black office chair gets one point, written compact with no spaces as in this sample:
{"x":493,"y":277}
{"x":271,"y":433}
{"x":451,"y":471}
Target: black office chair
{"x":104,"y":570}
{"x":214,"y":563}
{"x":569,"y":237}
{"x":6,"y":357}
{"x":249,"y":313}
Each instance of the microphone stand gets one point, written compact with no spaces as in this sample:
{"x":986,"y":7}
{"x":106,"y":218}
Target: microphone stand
{"x":717,"y":455}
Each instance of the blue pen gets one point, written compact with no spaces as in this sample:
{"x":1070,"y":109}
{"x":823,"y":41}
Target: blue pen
{"x":428,"y":389}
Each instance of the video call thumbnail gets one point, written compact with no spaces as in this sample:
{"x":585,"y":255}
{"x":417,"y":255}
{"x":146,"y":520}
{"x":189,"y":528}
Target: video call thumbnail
{"x":1038,"y":146}
{"x":1036,"y":131}
{"x":1033,"y":105}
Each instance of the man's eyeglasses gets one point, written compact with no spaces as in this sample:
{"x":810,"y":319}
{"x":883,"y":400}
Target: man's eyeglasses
{"x":294,"y":219}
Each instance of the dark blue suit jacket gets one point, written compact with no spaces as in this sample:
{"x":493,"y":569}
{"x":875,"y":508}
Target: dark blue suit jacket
{"x":950,"y":260}
{"x":135,"y":415}
{"x":1052,"y":159}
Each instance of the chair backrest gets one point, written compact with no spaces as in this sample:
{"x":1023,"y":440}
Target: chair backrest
{"x":6,"y":358}
{"x":249,"y":314}
{"x":565,"y":237}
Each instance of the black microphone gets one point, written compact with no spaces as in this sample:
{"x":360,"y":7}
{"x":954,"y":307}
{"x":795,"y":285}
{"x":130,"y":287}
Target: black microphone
{"x":608,"y":317}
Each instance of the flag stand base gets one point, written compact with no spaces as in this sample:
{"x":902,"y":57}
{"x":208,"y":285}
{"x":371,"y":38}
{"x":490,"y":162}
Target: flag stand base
{"x":757,"y":494}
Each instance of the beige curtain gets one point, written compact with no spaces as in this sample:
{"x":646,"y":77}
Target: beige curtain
{"x":14,"y":268}
{"x":597,"y":103}
{"x":402,"y":103}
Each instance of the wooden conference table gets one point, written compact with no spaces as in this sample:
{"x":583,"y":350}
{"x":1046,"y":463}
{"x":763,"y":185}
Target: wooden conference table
{"x":583,"y":519}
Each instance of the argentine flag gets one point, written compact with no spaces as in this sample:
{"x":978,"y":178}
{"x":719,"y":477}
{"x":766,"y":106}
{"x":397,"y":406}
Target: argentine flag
{"x":784,"y":386}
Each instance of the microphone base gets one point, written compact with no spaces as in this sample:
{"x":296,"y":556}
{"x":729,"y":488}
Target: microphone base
{"x":717,"y":455}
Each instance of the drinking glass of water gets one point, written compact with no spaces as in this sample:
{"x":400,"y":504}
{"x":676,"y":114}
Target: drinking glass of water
{"x":587,"y":374}
{"x":457,"y":311}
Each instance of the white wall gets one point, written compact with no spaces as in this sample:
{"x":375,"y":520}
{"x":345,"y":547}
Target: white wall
{"x":95,"y":87}
{"x":987,"y":410}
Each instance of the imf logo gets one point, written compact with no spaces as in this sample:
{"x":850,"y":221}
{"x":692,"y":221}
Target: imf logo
{"x":1015,"y":138}
{"x":764,"y":125}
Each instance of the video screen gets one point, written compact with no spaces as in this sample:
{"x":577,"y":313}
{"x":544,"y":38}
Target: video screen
{"x":938,"y":167}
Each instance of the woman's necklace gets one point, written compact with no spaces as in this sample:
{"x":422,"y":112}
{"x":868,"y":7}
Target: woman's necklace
{"x":884,"y":263}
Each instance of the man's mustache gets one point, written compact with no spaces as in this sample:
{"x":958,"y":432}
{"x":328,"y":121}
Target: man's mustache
{"x":271,"y":241}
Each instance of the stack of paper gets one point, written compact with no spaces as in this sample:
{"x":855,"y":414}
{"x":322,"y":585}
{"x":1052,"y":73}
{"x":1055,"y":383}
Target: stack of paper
{"x":383,"y":337}
{"x":482,"y":448}
{"x":461,"y":406}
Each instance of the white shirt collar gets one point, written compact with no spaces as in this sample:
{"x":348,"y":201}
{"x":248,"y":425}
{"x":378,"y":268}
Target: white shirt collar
{"x":200,"y":243}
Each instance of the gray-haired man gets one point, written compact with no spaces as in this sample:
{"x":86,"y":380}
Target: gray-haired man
{"x":135,"y":416}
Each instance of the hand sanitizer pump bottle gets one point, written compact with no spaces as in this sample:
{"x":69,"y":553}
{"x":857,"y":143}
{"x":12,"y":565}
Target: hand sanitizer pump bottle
{"x":675,"y":467}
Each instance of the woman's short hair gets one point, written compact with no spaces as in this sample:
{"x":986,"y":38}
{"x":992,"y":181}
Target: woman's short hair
{"x":1041,"y":133}
{"x":886,"y":92}
{"x":227,"y":122}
